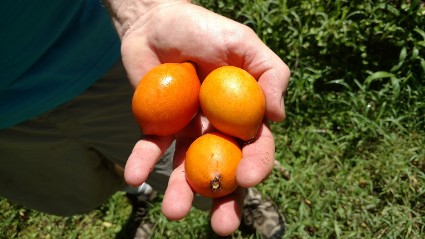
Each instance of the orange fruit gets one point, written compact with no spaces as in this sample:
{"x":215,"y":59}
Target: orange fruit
{"x":233,"y":102}
{"x":166,"y":98}
{"x":210,"y":164}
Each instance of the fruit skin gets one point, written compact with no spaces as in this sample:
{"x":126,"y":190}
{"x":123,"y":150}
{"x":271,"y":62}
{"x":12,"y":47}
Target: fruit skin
{"x":210,"y":164}
{"x":166,"y":98}
{"x":233,"y":102}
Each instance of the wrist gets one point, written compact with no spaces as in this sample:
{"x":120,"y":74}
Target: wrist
{"x":125,"y":13}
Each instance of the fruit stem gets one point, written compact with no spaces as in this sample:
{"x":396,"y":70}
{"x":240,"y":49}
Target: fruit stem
{"x":215,"y":184}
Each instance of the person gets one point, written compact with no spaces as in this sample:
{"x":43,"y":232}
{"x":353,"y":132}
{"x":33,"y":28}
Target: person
{"x":67,"y":136}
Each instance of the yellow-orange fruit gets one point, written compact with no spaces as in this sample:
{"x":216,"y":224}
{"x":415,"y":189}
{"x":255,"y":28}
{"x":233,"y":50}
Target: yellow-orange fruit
{"x":166,"y":98}
{"x":233,"y":102}
{"x":210,"y":164}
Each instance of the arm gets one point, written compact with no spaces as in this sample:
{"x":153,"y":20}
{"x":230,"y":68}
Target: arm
{"x":154,"y":32}
{"x":125,"y":13}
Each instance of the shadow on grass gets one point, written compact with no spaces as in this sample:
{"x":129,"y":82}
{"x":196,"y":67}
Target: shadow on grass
{"x":129,"y":229}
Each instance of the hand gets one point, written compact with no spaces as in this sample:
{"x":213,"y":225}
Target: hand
{"x":177,"y":31}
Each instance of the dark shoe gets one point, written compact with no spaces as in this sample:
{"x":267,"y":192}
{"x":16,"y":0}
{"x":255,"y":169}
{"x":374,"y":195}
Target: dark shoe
{"x":262,"y":216}
{"x":141,"y":225}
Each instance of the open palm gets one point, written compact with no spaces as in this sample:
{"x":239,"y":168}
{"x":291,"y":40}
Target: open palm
{"x":179,"y":32}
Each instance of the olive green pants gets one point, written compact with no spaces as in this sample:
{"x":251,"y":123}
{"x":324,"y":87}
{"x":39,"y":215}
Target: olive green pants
{"x":65,"y":161}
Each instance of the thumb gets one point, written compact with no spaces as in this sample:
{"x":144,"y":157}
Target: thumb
{"x":137,"y":57}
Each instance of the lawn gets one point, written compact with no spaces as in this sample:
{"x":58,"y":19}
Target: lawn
{"x":351,"y":150}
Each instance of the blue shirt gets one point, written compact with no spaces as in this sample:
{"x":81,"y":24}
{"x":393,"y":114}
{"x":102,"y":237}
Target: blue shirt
{"x":50,"y":52}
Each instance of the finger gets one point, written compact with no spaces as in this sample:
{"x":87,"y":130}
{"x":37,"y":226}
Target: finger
{"x":274,"y":83}
{"x":226,"y":213}
{"x":257,"y":159}
{"x":143,"y":158}
{"x":178,"y":197}
{"x":246,"y":50}
{"x":272,"y":74}
{"x":197,"y":127}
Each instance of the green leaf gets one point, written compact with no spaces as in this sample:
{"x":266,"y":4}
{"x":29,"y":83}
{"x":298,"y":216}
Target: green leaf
{"x":420,"y":31}
{"x":395,"y":83}
{"x":415,"y":53}
{"x":423,"y":65}
{"x":377,"y":76}
{"x":340,"y":82}
{"x":401,"y":59}
{"x":403,"y":54}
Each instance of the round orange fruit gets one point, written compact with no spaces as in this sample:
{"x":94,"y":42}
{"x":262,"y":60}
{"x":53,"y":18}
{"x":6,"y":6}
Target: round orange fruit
{"x":166,"y":98}
{"x":210,"y":164}
{"x":233,"y":102}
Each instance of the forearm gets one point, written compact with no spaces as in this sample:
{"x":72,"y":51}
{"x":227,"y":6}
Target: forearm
{"x":125,"y":13}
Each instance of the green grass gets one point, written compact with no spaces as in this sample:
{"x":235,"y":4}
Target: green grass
{"x":353,"y":142}
{"x":104,"y":222}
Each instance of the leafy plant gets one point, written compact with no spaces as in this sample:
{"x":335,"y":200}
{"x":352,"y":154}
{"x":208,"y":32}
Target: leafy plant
{"x":352,"y":147}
